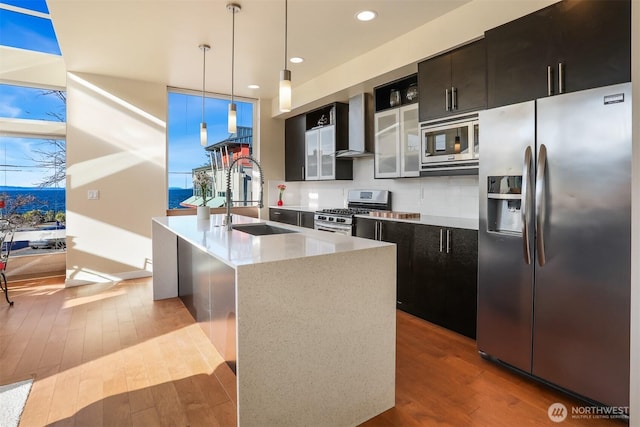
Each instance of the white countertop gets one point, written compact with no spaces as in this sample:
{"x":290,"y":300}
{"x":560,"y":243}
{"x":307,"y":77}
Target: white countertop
{"x":438,"y":221}
{"x":236,"y":248}
{"x":301,"y":208}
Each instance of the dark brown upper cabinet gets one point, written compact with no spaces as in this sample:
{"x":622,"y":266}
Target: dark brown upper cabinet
{"x":569,"y":46}
{"x":397,"y":93}
{"x":453,"y":83}
{"x":331,"y":123}
{"x":294,"y":148}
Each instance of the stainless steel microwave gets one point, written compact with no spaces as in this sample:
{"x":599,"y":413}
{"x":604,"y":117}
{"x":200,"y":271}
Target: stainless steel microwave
{"x":450,"y":145}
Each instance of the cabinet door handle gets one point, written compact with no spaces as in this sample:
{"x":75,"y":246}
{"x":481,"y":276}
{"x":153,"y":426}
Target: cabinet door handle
{"x":441,"y":240}
{"x":275,"y":213}
{"x":302,"y":168}
{"x":549,"y":80}
{"x":560,"y":77}
{"x":380,"y":234}
{"x":448,"y":241}
{"x":454,"y":99}
{"x":447,"y":106}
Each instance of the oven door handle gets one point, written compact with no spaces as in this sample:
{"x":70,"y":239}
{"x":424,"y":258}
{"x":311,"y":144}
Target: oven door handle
{"x":324,"y":227}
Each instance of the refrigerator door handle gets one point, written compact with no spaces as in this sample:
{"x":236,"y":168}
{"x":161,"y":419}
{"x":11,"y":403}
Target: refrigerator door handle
{"x":540,"y":203}
{"x":549,"y":80}
{"x":526,"y":182}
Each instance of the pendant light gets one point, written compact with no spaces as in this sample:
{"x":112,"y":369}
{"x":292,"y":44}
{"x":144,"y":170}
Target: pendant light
{"x":232,"y":120}
{"x":285,"y":75}
{"x":203,"y":124}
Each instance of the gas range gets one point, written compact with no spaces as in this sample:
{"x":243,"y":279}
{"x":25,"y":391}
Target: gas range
{"x":345,"y":211}
{"x":341,"y":216}
{"x":360,"y":202}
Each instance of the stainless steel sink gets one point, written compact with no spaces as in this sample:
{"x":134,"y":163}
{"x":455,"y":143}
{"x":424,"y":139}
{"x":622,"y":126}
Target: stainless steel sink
{"x":261,"y":229}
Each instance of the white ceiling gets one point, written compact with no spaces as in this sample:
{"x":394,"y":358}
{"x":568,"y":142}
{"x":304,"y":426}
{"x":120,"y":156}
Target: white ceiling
{"x":157,"y":40}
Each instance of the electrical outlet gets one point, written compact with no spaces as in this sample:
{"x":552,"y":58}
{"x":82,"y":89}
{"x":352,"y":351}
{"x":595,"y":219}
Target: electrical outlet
{"x":93,"y":194}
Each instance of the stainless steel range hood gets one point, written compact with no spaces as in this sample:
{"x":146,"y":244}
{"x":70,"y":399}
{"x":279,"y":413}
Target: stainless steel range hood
{"x":360,"y":127}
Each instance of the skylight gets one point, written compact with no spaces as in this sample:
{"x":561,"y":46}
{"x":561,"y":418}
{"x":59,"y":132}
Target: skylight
{"x":34,"y":5}
{"x":26,"y":24}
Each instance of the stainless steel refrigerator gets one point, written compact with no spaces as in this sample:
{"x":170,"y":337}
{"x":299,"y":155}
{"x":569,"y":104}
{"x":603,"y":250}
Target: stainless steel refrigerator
{"x":554,"y":245}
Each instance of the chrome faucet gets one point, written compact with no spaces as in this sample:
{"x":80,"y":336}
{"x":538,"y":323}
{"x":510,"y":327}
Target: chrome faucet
{"x":228,"y":194}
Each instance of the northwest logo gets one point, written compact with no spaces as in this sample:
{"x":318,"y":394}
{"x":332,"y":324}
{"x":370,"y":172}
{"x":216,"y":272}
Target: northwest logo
{"x":557,"y":412}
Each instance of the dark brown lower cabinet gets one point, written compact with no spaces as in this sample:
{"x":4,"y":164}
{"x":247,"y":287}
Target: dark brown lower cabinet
{"x":306,"y":219}
{"x":429,"y":274}
{"x":445,"y":277}
{"x":436,"y":270}
{"x":401,"y":234}
{"x":293,"y":217}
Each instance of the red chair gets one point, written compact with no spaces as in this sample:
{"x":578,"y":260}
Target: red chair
{"x":7,"y":231}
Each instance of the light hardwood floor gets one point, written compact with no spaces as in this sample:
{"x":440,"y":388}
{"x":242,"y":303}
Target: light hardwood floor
{"x":107,"y":355}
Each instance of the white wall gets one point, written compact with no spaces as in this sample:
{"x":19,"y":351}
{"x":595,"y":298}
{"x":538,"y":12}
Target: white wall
{"x":111,"y":236}
{"x":115,"y":144}
{"x":440,"y":196}
{"x":455,"y":196}
{"x":427,"y":41}
{"x":268,"y":147}
{"x":463,"y":24}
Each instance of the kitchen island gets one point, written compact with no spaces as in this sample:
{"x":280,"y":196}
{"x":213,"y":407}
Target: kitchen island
{"x":306,"y":318}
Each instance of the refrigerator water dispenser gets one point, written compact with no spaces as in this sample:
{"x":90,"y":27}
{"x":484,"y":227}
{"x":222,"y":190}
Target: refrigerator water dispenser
{"x":503,"y":204}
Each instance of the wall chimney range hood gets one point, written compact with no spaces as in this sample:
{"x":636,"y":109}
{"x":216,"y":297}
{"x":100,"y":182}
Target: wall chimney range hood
{"x":360,"y":127}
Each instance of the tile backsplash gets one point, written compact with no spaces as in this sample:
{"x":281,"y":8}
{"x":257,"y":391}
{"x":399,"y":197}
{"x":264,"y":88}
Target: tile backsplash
{"x":451,"y":196}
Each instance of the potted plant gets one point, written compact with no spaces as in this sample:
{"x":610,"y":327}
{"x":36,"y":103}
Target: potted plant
{"x":202,"y":180}
{"x":281,"y":187}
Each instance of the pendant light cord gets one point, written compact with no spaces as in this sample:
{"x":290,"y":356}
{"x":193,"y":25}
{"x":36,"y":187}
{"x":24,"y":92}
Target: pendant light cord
{"x":286,"y":20}
{"x":204,"y":53}
{"x":233,"y":50}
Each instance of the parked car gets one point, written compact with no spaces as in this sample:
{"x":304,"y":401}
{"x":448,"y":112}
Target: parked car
{"x":57,"y":243}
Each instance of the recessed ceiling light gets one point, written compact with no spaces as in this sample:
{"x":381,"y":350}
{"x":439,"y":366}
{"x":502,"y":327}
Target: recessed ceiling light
{"x":296,"y":60}
{"x":253,"y":87}
{"x":366,"y":15}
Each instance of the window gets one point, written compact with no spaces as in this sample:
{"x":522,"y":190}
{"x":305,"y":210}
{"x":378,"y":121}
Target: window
{"x":25,"y":24}
{"x":32,"y":193}
{"x":32,"y":5}
{"x":20,"y":102}
{"x":32,"y":145}
{"x":186,"y":156}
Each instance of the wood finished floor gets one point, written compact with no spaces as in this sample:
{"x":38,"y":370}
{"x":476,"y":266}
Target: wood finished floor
{"x":107,"y":355}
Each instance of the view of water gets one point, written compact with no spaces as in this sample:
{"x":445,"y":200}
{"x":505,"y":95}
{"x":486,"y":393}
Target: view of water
{"x":177,"y":195}
{"x":46,"y":199}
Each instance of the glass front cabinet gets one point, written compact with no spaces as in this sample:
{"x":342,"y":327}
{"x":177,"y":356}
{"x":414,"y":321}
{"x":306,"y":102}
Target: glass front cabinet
{"x":320,"y":147}
{"x":397,"y":142}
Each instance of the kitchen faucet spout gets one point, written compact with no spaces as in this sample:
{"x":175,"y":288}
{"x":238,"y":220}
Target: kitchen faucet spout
{"x":228,"y":202}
